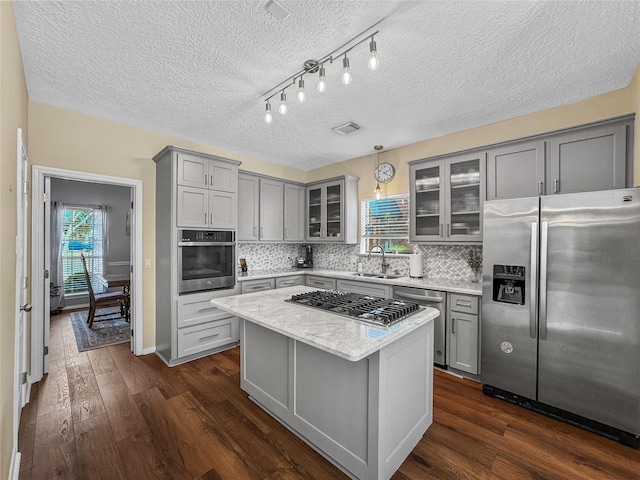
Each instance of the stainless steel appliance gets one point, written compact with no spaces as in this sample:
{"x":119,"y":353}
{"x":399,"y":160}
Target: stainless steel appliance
{"x":305,"y":258}
{"x":380,"y":311}
{"x":561,"y":307}
{"x":206,"y":260}
{"x":433,"y":299}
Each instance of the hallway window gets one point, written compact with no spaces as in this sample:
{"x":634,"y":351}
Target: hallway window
{"x":82,"y":233}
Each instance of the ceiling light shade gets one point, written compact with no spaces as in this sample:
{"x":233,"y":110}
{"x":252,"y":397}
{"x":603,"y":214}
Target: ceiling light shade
{"x":322,"y":85}
{"x":378,"y":191}
{"x":374,"y":63}
{"x":346,"y":71}
{"x":267,"y":114}
{"x":301,"y":95}
{"x":283,"y":103}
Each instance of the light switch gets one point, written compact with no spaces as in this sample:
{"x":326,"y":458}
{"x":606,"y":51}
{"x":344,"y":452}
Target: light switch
{"x":147,"y":263}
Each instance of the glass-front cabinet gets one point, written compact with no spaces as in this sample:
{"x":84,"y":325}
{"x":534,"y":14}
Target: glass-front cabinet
{"x":447,"y":196}
{"x":331,"y":211}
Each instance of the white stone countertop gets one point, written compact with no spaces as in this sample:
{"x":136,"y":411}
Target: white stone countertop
{"x":443,"y":284}
{"x":342,"y":336}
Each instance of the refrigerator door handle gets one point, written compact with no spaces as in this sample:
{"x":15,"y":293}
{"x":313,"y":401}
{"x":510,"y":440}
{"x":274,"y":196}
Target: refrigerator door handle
{"x":533,"y":319}
{"x":542,"y":305}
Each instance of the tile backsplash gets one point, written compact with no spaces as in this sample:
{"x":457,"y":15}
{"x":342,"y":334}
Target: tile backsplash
{"x":440,"y":261}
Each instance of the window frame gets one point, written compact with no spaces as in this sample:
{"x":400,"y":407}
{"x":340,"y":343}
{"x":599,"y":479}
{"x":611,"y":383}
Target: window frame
{"x":365,"y":223}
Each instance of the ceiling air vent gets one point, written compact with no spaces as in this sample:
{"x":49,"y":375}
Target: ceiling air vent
{"x":346,"y":128}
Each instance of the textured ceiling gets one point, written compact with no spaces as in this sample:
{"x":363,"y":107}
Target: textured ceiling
{"x":198,"y":70}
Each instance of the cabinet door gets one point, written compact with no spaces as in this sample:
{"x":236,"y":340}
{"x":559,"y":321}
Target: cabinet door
{"x":315,"y":212}
{"x":334,"y":212}
{"x":223,"y":176}
{"x":515,"y":171}
{"x":193,"y":171}
{"x":427,"y":207}
{"x":223,"y":210}
{"x":248,"y":207}
{"x":271,"y":210}
{"x":294,"y":213}
{"x":464,"y":198}
{"x":321,"y":282}
{"x":193,"y":207}
{"x":462,"y":351}
{"x":588,"y":160}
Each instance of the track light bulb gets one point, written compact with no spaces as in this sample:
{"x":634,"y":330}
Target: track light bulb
{"x":346,"y":73}
{"x":301,"y":95}
{"x":374,"y":63}
{"x":322,"y":85}
{"x":283,"y":103}
{"x":267,"y":114}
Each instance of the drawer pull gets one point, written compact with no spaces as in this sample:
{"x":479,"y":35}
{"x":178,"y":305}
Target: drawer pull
{"x":207,"y":309}
{"x":463,"y":303}
{"x":208,"y":337}
{"x":286,"y":283}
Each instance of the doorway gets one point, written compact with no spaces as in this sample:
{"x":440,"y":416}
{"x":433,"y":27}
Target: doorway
{"x":42,"y":178}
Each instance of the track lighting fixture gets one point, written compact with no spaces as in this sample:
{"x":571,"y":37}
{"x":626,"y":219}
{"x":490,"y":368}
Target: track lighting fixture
{"x":318,"y":66}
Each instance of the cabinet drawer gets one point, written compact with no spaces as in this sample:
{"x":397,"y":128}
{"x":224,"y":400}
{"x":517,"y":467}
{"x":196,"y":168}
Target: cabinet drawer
{"x":365,"y":288}
{"x":321,"y":282}
{"x":207,"y":336}
{"x":194,"y":312}
{"x":282,"y":282}
{"x":464,"y":303}
{"x":250,"y":286}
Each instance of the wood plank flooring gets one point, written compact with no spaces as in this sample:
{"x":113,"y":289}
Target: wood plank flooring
{"x":108,"y":414}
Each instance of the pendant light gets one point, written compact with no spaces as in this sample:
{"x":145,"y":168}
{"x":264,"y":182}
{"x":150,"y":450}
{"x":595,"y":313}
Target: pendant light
{"x":346,"y":71}
{"x":374,"y":63}
{"x":301,"y":95}
{"x":267,"y":114}
{"x":283,"y":103}
{"x":322,"y":85}
{"x":378,"y":190}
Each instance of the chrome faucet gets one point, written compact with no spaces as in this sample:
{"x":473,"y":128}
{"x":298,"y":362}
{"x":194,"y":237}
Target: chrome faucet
{"x":384,"y":264}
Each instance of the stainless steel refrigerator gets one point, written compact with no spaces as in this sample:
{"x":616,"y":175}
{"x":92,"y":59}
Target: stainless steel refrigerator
{"x":561,"y":307}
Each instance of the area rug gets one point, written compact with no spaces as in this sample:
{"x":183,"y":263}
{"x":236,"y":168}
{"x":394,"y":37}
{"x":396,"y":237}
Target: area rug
{"x":109,"y":330}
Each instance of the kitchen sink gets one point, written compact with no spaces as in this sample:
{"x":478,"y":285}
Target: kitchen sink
{"x":376,"y":275}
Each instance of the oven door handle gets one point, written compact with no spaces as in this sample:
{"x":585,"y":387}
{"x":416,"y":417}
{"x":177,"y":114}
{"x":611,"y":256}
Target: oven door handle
{"x":206,"y":244}
{"x":424,"y":298}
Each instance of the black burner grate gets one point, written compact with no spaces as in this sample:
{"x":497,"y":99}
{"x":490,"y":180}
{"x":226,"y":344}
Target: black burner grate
{"x":378,"y":310}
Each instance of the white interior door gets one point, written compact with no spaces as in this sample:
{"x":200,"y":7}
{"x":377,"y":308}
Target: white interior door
{"x":22,"y":307}
{"x":47,"y":277}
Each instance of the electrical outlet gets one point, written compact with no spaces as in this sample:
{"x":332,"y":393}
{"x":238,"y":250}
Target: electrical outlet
{"x":147,"y":263}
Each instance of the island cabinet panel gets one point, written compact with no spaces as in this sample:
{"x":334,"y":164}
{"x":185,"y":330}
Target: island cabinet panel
{"x":365,"y":416}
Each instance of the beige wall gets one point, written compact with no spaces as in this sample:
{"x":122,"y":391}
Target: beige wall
{"x":614,"y":104}
{"x":13,"y":115}
{"x":70,"y":140}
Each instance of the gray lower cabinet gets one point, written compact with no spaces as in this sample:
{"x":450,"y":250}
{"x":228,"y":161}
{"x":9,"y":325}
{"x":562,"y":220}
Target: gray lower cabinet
{"x":365,"y":288}
{"x":462,"y":336}
{"x":579,"y":160}
{"x":258,"y":285}
{"x":321,"y":282}
{"x":289,"y":281}
{"x":365,"y":416}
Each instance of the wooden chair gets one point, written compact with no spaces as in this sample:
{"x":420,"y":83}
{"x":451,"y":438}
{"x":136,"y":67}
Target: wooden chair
{"x":101,"y":300}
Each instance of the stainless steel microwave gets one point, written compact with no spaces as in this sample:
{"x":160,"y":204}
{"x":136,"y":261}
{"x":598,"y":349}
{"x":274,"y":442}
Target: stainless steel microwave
{"x":206,"y":260}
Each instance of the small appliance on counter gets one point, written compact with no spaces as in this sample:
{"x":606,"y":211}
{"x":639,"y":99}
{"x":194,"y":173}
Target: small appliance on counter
{"x":305,"y":257}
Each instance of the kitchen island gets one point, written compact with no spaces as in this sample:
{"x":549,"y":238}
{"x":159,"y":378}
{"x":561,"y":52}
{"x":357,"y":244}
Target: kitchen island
{"x":359,"y":394}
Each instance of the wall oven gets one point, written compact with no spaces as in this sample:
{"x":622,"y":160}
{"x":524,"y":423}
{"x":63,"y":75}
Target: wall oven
{"x":206,"y":260}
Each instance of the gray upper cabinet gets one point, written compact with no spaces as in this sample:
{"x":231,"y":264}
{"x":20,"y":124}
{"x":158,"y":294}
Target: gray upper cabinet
{"x":202,"y":172}
{"x":580,"y":160}
{"x":516,"y":170}
{"x":294,"y":201}
{"x":269,"y":209}
{"x":332,"y":210}
{"x":447,"y":196}
{"x":583,"y":161}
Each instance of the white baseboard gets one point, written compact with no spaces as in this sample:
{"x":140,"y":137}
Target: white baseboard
{"x":148,"y":350}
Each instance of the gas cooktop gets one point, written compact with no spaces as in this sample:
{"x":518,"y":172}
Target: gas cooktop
{"x":368,"y":308}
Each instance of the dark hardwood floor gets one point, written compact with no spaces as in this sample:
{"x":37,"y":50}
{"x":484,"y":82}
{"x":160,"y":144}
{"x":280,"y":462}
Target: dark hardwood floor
{"x":108,"y":414}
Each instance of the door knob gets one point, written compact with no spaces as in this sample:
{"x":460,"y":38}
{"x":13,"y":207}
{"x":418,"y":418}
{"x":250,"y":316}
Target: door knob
{"x":26,"y":307}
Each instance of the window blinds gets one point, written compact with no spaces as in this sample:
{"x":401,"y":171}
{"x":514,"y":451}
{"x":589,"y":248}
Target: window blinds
{"x":387,"y":218}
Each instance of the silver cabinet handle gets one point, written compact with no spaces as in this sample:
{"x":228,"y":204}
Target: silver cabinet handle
{"x":533,"y":312}
{"x":453,"y":325}
{"x":556,"y":185}
{"x":540,"y":185}
{"x":542,"y":306}
{"x":440,"y":231}
{"x":463,"y":303}
{"x":211,"y":182}
{"x":205,"y":218}
{"x":262,"y":232}
{"x":209,"y":337}
{"x":211,"y":218}
{"x":205,"y":178}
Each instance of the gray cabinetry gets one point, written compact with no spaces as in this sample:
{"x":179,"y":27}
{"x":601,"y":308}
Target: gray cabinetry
{"x":365,"y":288}
{"x":462,"y":337}
{"x":269,"y":209}
{"x":579,"y":160}
{"x":289,"y":281}
{"x":258,"y":285}
{"x":332,"y":210}
{"x":447,"y":196}
{"x":321,"y":282}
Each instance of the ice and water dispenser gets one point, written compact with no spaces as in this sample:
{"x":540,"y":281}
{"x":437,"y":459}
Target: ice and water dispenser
{"x":508,"y":284}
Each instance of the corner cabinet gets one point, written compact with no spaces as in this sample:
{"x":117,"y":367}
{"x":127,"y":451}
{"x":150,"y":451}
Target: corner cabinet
{"x":446,"y":198}
{"x":199,"y":191}
{"x":332,"y":210}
